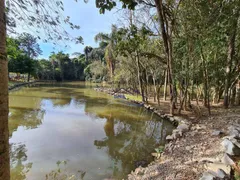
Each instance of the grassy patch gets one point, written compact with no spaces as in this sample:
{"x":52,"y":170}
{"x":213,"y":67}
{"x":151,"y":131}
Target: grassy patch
{"x":133,"y":97}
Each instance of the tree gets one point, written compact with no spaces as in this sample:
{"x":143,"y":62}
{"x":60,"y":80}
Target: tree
{"x":29,"y":45}
{"x":233,"y":25}
{"x":45,"y":15}
{"x":4,"y":133}
{"x":87,"y":50}
{"x":110,"y":41}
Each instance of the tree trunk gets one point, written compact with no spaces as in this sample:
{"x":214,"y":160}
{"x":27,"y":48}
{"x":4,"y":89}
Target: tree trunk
{"x":166,"y":32}
{"x":233,"y":97}
{"x":231,"y":47}
{"x":205,"y":84}
{"x":154,"y":86}
{"x":146,"y":82}
{"x":4,"y":134}
{"x":158,"y":94}
{"x":238,"y":94}
{"x":165,"y":86}
{"x":28,"y":79}
{"x":139,"y":78}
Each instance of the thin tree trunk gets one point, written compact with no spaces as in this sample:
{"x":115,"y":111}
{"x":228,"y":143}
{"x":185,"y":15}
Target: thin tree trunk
{"x":233,"y":97}
{"x":206,"y":84}
{"x":139,"y":78}
{"x":4,"y":134}
{"x":165,"y":86}
{"x":154,"y":86}
{"x":238,"y":94}
{"x":28,"y":79}
{"x":231,"y":47}
{"x":147,"y":89}
{"x":158,"y":94}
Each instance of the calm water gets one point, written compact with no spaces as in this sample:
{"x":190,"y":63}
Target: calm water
{"x":69,"y":131}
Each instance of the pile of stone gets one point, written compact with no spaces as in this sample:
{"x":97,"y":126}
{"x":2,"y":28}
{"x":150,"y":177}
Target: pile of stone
{"x":221,"y":167}
{"x":177,"y":133}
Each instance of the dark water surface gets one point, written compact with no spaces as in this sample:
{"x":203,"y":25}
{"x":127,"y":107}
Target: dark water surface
{"x":69,"y":131}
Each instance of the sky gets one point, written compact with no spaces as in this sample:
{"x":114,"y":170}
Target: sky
{"x":91,"y":22}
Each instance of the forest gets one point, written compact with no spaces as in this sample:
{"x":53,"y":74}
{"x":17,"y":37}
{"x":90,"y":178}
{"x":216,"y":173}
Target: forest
{"x":153,"y":60}
{"x":186,"y":53}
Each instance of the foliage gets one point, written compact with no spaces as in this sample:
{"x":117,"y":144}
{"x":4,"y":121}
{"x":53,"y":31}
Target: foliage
{"x":28,"y":44}
{"x":160,"y":149}
{"x":45,"y":16}
{"x":96,"y":71}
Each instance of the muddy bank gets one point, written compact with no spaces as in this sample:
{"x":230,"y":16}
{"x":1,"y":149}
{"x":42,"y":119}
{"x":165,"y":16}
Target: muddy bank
{"x":199,"y":148}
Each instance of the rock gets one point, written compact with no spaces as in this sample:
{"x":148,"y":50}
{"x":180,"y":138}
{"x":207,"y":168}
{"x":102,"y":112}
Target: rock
{"x":171,"y":119}
{"x":207,"y":176}
{"x":188,"y":148}
{"x":230,"y":147}
{"x":176,"y":135}
{"x":151,"y":108}
{"x":188,"y":162}
{"x":183,"y":127}
{"x":157,"y":155}
{"x":169,"y":137}
{"x":207,"y":160}
{"x":199,"y":127}
{"x":219,"y":173}
{"x":234,"y":141}
{"x":234,"y":131}
{"x":119,"y":96}
{"x":169,"y":115}
{"x":216,"y":133}
{"x":178,"y":118}
{"x":227,"y":160}
{"x":218,"y":166}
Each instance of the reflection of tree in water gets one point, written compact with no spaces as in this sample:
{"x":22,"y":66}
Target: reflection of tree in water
{"x":19,"y":167}
{"x":61,"y":173}
{"x":130,"y":143}
{"x":28,"y":118}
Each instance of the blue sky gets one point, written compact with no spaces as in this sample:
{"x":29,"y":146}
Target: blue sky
{"x":91,"y":22}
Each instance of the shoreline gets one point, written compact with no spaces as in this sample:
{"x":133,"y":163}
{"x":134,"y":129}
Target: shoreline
{"x":198,"y":148}
{"x":20,"y":85}
{"x":26,"y":83}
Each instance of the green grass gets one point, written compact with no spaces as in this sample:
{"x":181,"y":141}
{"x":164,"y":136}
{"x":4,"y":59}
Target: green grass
{"x":133,"y":97}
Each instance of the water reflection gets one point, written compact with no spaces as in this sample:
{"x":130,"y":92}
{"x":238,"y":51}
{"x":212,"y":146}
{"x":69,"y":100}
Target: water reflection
{"x":61,"y":173}
{"x":97,"y":136}
{"x":129,"y":144}
{"x":19,"y":167}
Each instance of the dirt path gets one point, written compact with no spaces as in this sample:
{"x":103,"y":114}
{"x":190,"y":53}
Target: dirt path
{"x":187,"y":157}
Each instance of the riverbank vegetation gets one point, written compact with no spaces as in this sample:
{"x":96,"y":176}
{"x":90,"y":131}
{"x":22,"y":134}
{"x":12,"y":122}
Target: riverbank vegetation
{"x":172,"y":49}
{"x":194,"y":54}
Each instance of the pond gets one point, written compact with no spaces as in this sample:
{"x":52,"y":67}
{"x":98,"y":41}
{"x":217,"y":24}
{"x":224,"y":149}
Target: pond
{"x":69,"y":131}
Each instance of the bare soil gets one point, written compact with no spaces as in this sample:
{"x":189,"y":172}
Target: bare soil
{"x":185,"y":157}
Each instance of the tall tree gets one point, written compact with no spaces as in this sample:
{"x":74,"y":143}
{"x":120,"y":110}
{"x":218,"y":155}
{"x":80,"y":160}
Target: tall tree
{"x":28,"y":43}
{"x":111,"y":41}
{"x":233,"y":24}
{"x":4,"y":133}
{"x":44,"y":15}
{"x":87,"y":50}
